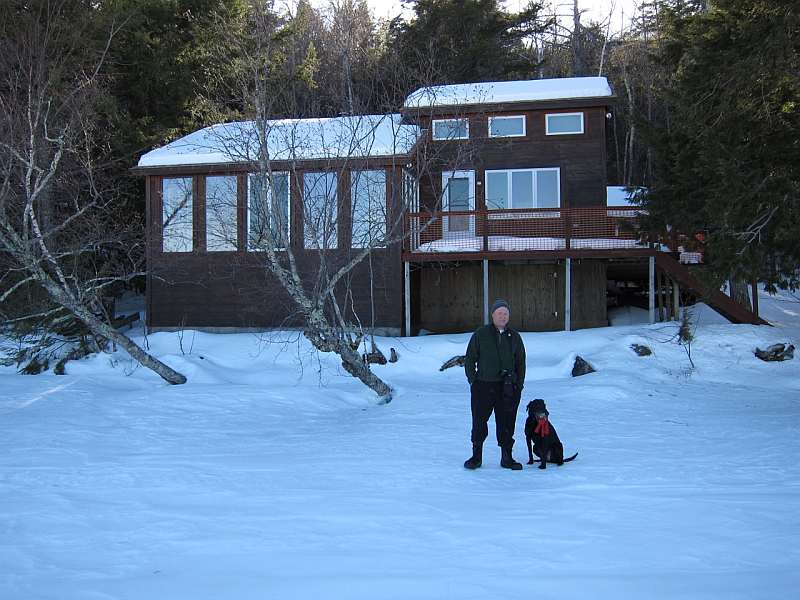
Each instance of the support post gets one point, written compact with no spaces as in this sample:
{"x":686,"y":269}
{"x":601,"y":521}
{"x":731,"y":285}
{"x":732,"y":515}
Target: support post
{"x":407,"y":291}
{"x":754,"y":294}
{"x":676,"y":300}
{"x":568,"y":296}
{"x":485,"y":291}
{"x":660,"y":285}
{"x":652,"y":294}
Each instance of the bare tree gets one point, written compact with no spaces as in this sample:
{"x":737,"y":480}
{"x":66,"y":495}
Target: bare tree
{"x":59,"y":229}
{"x":318,"y":271}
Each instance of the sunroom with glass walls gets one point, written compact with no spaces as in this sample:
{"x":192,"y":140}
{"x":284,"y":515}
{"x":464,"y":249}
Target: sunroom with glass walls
{"x":250,"y":211}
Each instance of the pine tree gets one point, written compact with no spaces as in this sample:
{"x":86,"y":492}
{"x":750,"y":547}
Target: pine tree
{"x":728,"y":158}
{"x":470,"y":40}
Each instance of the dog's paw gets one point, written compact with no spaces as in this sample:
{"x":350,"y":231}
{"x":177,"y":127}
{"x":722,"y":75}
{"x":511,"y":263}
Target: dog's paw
{"x":543,"y":466}
{"x":530,"y":462}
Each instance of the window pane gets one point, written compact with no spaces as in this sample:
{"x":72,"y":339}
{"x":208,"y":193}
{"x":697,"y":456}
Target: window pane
{"x":269,"y":208}
{"x":176,"y":215}
{"x":506,"y":126}
{"x":547,"y":195}
{"x":221,"y":213}
{"x":496,"y":190}
{"x":368,"y":197}
{"x":522,"y":189}
{"x":319,"y":206}
{"x":458,"y":193}
{"x":450,"y":129}
{"x":565,"y":123}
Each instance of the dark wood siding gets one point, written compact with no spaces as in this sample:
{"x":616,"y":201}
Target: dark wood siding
{"x":451,"y":294}
{"x":589,"y":304}
{"x":581,"y":158}
{"x":236,"y":289}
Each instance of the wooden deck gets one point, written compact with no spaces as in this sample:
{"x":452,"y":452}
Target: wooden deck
{"x":525,"y":233}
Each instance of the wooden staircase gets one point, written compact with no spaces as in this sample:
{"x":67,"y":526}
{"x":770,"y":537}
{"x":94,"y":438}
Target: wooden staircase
{"x":720,"y":302}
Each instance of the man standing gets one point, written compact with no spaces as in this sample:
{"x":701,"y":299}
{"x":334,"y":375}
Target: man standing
{"x":495,"y":367}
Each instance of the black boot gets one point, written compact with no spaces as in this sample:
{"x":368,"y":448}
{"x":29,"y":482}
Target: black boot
{"x":507,"y":461}
{"x":476,"y":459}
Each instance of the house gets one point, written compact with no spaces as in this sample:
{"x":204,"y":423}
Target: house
{"x":499,"y":190}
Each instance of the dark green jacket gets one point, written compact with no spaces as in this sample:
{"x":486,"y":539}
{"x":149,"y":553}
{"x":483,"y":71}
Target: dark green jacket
{"x":489,"y":353}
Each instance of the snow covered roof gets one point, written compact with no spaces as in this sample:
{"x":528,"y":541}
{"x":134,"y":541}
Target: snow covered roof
{"x":497,"y":92}
{"x":289,"y":139}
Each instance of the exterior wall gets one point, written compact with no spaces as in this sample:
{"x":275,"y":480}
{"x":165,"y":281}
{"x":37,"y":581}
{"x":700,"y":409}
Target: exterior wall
{"x":451,"y":295}
{"x":235,"y":289}
{"x":581,"y":158}
{"x":589,"y":303}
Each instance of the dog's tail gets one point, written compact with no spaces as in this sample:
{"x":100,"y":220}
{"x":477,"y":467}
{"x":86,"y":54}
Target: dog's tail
{"x":571,"y":457}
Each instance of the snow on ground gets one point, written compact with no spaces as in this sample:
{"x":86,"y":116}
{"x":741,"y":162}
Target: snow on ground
{"x":272,"y":474}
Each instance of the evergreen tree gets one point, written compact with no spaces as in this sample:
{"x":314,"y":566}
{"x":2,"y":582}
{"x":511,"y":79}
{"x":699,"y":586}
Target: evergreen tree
{"x":728,"y":158}
{"x":169,"y":57}
{"x":466,"y":40}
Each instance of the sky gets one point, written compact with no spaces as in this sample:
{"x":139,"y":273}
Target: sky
{"x":595,"y":10}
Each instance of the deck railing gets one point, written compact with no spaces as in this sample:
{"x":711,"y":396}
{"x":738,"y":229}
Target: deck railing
{"x":527,"y":229}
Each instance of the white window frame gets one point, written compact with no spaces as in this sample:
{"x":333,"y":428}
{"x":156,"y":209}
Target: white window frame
{"x":508,"y":118}
{"x":270,"y":199}
{"x":446,"y":176}
{"x":572,"y":114}
{"x":510,"y":186}
{"x":445,"y":139}
{"x":411,"y":201}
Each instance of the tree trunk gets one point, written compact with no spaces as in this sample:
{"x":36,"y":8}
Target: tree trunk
{"x":324,"y":339}
{"x":101,"y":328}
{"x":739,"y":292}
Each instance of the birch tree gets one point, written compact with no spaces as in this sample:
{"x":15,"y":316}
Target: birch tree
{"x":59,"y":230}
{"x":317,"y":271}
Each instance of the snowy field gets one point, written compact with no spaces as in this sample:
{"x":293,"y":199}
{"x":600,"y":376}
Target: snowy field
{"x":274,"y":475}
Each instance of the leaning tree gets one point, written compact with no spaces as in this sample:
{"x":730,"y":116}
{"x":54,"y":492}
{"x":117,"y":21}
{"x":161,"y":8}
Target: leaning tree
{"x":60,"y":229}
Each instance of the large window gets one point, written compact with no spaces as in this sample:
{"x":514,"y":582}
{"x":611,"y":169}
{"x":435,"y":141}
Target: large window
{"x":368,"y":197}
{"x":523,"y":188}
{"x":507,"y":126}
{"x":450,"y":129}
{"x":268,"y":211}
{"x":564,"y":123}
{"x":319,"y":210}
{"x":221,"y":201}
{"x":176,"y":214}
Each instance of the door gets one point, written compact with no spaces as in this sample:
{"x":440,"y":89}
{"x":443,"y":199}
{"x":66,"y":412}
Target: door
{"x":459,"y":195}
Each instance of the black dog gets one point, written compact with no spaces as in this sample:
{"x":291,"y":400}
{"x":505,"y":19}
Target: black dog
{"x":542,"y":437}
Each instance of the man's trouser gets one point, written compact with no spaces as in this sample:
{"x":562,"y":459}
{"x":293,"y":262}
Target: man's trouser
{"x":488,"y":396}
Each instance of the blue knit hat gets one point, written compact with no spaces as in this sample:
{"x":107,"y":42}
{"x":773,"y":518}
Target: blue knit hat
{"x":499,"y":304}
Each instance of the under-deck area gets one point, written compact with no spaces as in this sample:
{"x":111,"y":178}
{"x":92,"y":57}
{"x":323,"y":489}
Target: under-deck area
{"x":455,"y":295}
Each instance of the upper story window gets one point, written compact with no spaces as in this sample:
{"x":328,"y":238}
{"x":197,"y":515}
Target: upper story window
{"x":268,"y":211}
{"x":450,"y":129}
{"x":221,"y":201}
{"x":564,"y":123}
{"x":523,"y":188}
{"x":176,"y":214}
{"x":319,"y":210}
{"x":507,"y":126}
{"x":368,"y":198}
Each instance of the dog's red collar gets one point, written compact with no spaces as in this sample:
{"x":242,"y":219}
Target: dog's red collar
{"x":543,"y":427}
